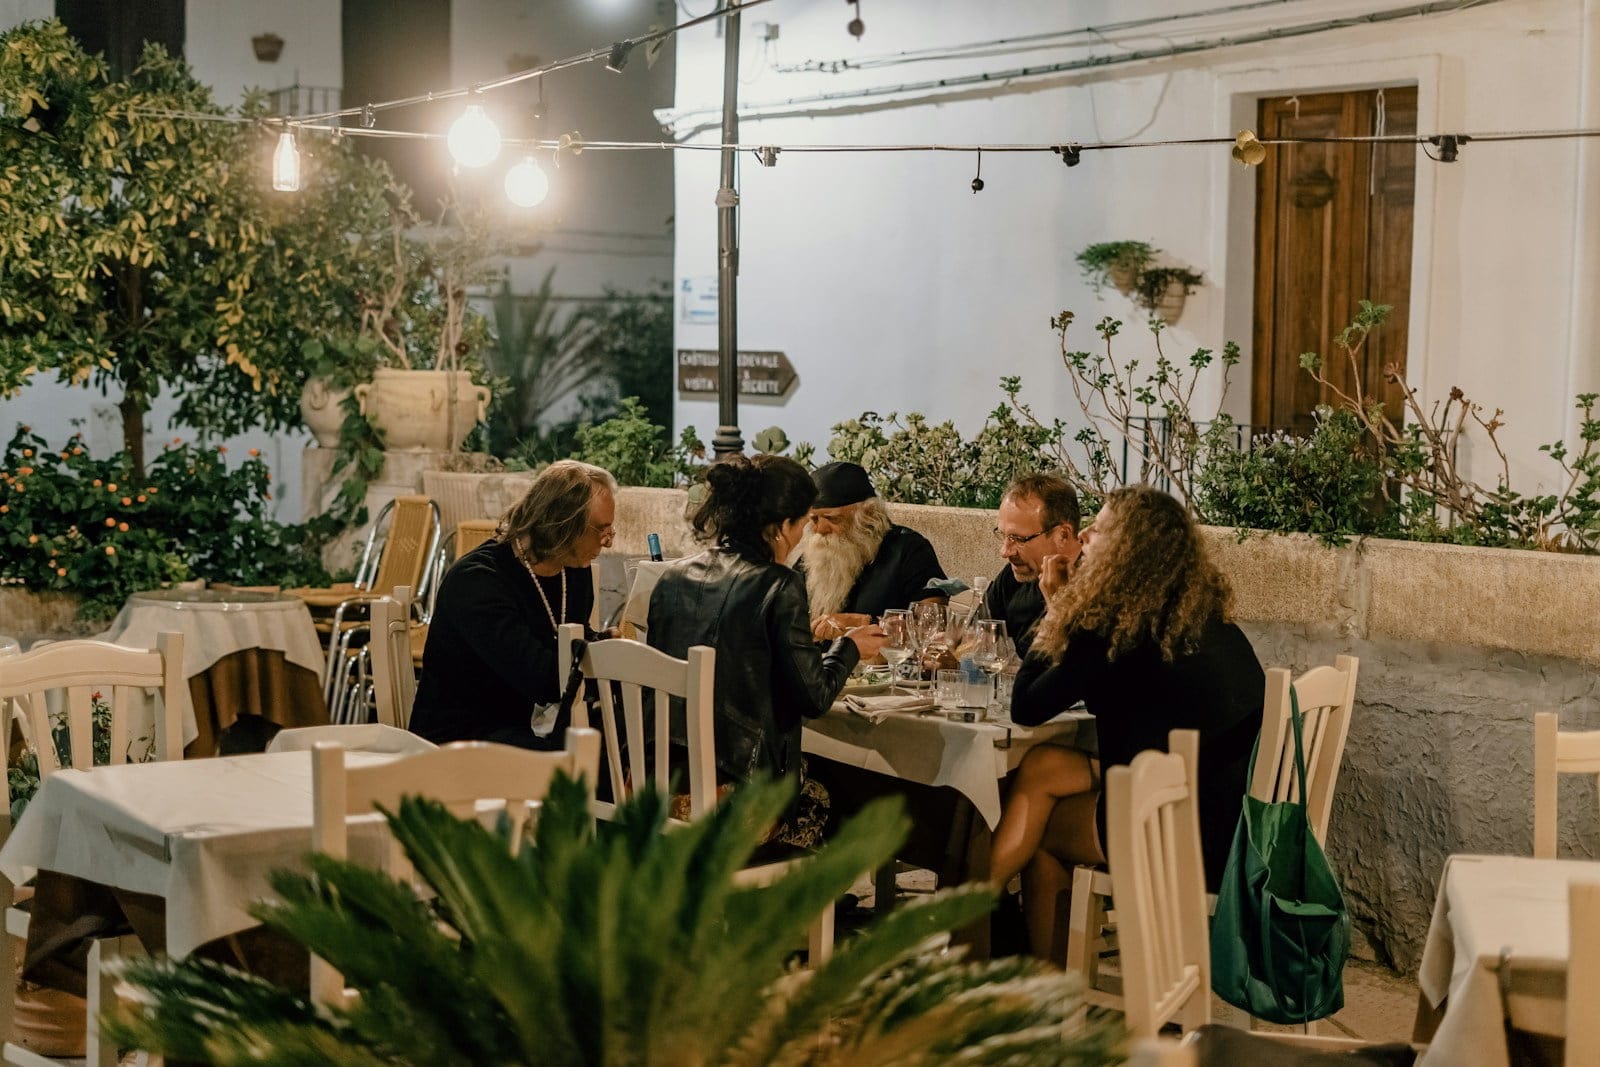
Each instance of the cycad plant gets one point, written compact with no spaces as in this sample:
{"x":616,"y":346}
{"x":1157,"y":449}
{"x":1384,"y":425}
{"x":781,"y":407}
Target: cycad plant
{"x":624,"y":945}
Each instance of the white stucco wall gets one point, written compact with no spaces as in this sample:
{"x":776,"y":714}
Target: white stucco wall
{"x":892,"y":286}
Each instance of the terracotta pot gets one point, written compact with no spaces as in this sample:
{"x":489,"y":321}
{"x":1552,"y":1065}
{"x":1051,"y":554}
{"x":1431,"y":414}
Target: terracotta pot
{"x":411,"y":408}
{"x":1122,"y":278}
{"x":322,"y":411}
{"x":50,"y":1022}
{"x":1169,"y":305}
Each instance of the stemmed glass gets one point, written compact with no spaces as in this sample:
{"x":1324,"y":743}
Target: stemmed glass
{"x":900,"y":642}
{"x":992,"y":649}
{"x":927,"y":623}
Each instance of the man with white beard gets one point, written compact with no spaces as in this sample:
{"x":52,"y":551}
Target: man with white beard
{"x":857,"y":562}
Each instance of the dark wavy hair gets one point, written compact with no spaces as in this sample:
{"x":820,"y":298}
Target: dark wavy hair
{"x":1149,"y":578}
{"x":554,"y":513}
{"x":750,"y":496}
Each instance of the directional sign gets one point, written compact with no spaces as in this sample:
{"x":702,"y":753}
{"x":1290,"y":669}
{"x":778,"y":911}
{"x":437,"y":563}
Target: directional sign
{"x":768,"y":374}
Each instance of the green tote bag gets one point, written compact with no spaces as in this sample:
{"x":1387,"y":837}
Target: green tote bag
{"x":1281,"y":932}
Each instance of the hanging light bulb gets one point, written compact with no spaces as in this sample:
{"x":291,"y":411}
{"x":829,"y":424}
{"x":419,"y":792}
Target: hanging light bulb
{"x":474,"y":140}
{"x":526,"y":184}
{"x":286,"y":164}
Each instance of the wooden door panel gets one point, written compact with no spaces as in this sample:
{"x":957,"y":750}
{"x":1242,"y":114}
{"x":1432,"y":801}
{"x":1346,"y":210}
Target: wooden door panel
{"x":1333,"y":226}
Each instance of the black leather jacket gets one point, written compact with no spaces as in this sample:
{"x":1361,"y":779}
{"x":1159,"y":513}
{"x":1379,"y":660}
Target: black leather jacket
{"x":770,"y":674}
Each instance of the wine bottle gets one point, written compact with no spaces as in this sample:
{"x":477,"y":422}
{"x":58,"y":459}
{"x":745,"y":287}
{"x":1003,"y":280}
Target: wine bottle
{"x":654,"y":543}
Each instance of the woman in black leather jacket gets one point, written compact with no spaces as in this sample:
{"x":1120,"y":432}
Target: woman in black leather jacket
{"x":740,"y":598}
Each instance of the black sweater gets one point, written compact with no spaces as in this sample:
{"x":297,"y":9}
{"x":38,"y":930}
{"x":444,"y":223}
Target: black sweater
{"x":490,"y":657}
{"x":1217,"y":689}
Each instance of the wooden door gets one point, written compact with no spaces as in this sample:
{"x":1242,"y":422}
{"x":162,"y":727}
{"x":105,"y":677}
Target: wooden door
{"x":1333,"y":227}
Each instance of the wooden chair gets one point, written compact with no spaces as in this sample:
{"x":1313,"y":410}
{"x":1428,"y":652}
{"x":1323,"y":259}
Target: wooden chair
{"x":394,"y":678}
{"x":77,"y":670}
{"x":1583,"y":974}
{"x":410,"y":543}
{"x":1556,"y":753}
{"x":457,"y":775}
{"x":1159,"y":886}
{"x":1326,"y":696}
{"x":633,"y":668}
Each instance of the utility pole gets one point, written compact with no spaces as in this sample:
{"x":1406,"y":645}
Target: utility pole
{"x":728,"y":440}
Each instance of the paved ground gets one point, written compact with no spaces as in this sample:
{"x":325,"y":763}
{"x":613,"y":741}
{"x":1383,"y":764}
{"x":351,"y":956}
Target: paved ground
{"x":1379,"y":1004}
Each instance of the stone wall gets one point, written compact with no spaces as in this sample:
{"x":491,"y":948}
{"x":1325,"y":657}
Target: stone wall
{"x":1459,"y":647}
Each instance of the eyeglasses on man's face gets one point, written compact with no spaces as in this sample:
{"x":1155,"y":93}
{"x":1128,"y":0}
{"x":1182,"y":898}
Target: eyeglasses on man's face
{"x":1016,"y":540}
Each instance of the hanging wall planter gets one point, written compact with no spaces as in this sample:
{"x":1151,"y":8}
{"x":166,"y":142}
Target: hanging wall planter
{"x":1116,"y":263}
{"x":1163,"y":291}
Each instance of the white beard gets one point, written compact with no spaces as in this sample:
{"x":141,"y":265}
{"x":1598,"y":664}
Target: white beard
{"x":834,"y":563}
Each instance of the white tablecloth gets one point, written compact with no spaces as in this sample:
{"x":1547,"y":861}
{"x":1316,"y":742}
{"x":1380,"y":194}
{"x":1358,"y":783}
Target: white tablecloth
{"x":1489,"y":905}
{"x":9,"y":645}
{"x":202,"y":834}
{"x":216,"y":627}
{"x":928,"y":748}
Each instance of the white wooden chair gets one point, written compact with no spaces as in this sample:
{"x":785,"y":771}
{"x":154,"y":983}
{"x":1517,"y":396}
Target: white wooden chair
{"x":457,"y":775}
{"x":1556,"y":753}
{"x":1326,"y":696}
{"x":635,"y":668}
{"x":394,"y":679}
{"x":76,"y":670}
{"x":1583,"y":974}
{"x":1159,"y":886}
{"x":1153,"y":841}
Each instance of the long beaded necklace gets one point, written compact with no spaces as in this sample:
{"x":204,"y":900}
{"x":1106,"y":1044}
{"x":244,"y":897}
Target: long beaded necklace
{"x":555,"y":621}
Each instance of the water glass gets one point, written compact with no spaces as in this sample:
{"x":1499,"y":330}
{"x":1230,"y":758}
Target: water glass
{"x":957,"y":689}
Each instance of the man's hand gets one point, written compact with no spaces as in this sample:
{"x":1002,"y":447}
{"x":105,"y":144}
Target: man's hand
{"x":868,"y":639}
{"x":827,"y":627}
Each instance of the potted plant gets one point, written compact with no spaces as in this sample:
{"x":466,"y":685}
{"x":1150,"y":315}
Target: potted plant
{"x":1116,"y":263}
{"x":427,"y":338}
{"x":613,"y":944}
{"x":1163,"y":291}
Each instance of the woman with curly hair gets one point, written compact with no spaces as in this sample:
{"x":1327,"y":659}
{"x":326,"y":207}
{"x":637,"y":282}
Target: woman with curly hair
{"x":1141,"y":634}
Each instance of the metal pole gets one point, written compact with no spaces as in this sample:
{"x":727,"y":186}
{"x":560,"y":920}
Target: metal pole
{"x":728,"y":439}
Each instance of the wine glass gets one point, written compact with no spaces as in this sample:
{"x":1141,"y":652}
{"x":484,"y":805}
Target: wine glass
{"x":989,"y":652}
{"x":899,"y":642}
{"x":927,"y":619}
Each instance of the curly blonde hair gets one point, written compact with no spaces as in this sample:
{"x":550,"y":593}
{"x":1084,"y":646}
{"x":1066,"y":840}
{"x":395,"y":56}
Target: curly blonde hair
{"x":1148,"y":578}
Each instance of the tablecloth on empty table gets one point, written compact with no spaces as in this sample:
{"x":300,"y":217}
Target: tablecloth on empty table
{"x":932,"y":750}
{"x":1489,"y":905}
{"x":201,"y":834}
{"x":210,"y":634}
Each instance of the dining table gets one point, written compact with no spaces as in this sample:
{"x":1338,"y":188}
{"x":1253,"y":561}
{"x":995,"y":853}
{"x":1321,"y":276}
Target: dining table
{"x":244,"y":652}
{"x":203,"y":835}
{"x":1495,"y":958}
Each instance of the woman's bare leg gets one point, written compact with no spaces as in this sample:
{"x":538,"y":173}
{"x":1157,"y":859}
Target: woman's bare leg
{"x":1071,"y":839}
{"x":1048,"y":773}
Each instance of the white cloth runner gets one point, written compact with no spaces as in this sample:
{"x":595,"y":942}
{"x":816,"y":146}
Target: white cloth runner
{"x":876,"y":708}
{"x":1489,"y":905}
{"x":212,"y":631}
{"x":357,"y":737}
{"x":932,"y":750}
{"x":203,"y":834}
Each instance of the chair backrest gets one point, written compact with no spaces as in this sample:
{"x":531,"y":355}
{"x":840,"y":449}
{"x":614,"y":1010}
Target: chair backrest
{"x":1554,"y":754}
{"x":1158,"y":886}
{"x":410,"y":545}
{"x":470,"y":533}
{"x":1583,"y":972}
{"x":394,"y":679}
{"x":636,"y":668}
{"x":457,"y":776}
{"x":81,"y":670}
{"x":1326,"y":696}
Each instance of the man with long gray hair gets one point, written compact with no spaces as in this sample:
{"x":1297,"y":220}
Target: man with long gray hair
{"x":858,"y":563}
{"x":489,"y":665}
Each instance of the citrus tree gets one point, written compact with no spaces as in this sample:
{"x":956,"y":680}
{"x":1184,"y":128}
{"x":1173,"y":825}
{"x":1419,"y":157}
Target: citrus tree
{"x":142,"y":248}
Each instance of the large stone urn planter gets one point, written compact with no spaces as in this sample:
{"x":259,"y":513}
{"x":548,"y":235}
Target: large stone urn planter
{"x":423,"y":409}
{"x":322,"y":410}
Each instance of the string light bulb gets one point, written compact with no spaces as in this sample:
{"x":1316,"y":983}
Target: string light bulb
{"x":286,"y":164}
{"x":526,"y":184}
{"x":474,"y":139}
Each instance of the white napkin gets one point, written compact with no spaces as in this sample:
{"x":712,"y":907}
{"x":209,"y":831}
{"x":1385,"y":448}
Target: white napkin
{"x":873,"y":709}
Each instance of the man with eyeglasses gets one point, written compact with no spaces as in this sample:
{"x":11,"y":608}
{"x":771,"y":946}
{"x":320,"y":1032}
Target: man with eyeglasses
{"x":1038,"y":519}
